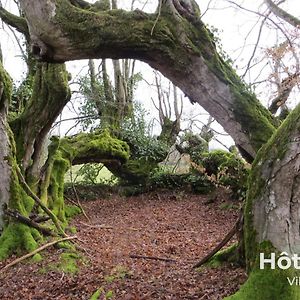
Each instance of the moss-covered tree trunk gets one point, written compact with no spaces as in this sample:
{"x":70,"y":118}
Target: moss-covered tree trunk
{"x":15,"y":236}
{"x":272,"y":213}
{"x":50,"y":95}
{"x":176,"y":42}
{"x":5,"y":168}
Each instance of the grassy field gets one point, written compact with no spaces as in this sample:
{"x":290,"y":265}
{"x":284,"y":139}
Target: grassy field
{"x":104,"y":175}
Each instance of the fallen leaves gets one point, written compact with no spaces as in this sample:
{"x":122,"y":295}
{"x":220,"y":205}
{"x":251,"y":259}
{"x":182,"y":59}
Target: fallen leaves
{"x":183,"y":229}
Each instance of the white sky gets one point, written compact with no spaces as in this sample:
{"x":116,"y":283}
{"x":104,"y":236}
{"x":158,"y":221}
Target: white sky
{"x":233,"y":26}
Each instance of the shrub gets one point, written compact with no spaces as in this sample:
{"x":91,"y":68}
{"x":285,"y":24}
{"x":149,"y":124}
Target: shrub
{"x":196,"y":183}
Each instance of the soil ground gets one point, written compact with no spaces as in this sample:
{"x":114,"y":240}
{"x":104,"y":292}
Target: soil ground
{"x":171,"y":225}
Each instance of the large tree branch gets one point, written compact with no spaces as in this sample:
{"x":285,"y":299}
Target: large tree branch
{"x":180,"y":48}
{"x":18,"y":23}
{"x":279,"y":12}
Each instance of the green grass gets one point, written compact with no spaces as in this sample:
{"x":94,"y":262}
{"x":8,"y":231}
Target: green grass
{"x":104,"y":175}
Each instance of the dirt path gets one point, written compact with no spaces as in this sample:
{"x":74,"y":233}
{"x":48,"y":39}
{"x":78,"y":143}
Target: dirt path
{"x":174,"y":226}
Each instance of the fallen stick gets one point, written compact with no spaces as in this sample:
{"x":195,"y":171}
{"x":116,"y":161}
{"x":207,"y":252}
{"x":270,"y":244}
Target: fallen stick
{"x":36,"y":251}
{"x":225,"y":240}
{"x":103,"y":226}
{"x":100,"y":226}
{"x":153,"y":258}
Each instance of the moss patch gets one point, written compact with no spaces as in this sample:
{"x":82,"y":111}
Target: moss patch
{"x":268,"y":284}
{"x":228,"y":255}
{"x":68,"y":262}
{"x":72,"y":211}
{"x":16,"y":238}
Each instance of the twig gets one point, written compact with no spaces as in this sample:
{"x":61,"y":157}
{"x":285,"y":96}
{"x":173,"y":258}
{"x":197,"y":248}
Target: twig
{"x":226,"y":239}
{"x":102,"y":226}
{"x":77,"y":198}
{"x":37,"y":251}
{"x":157,"y":18}
{"x":153,"y":258}
{"x":40,"y":203}
{"x":71,"y":201}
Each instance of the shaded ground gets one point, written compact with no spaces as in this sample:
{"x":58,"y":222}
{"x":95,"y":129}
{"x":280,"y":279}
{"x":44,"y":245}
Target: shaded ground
{"x":166,"y":225}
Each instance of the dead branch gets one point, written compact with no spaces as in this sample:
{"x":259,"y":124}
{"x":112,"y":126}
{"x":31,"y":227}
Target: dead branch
{"x":20,"y":259}
{"x":39,"y":219}
{"x":153,"y":258}
{"x":16,"y":215}
{"x":77,"y":198}
{"x":226,"y":239}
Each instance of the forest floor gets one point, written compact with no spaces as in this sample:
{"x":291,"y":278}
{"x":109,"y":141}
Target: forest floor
{"x":172,"y":225}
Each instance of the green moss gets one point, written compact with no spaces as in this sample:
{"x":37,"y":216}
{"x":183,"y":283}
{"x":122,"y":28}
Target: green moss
{"x":227,"y":255}
{"x":97,"y":146}
{"x":268,"y":284}
{"x":82,"y":148}
{"x":16,"y":238}
{"x":97,"y":294}
{"x":37,"y":258}
{"x":118,"y":273}
{"x":73,"y":230}
{"x":6,"y":83}
{"x":68,"y":262}
{"x":72,"y":210}
{"x":50,"y":92}
{"x":256,"y":121}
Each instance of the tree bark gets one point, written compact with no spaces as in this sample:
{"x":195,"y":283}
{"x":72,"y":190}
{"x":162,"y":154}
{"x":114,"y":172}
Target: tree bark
{"x":5,"y":168}
{"x":176,"y":43}
{"x":272,"y":213}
